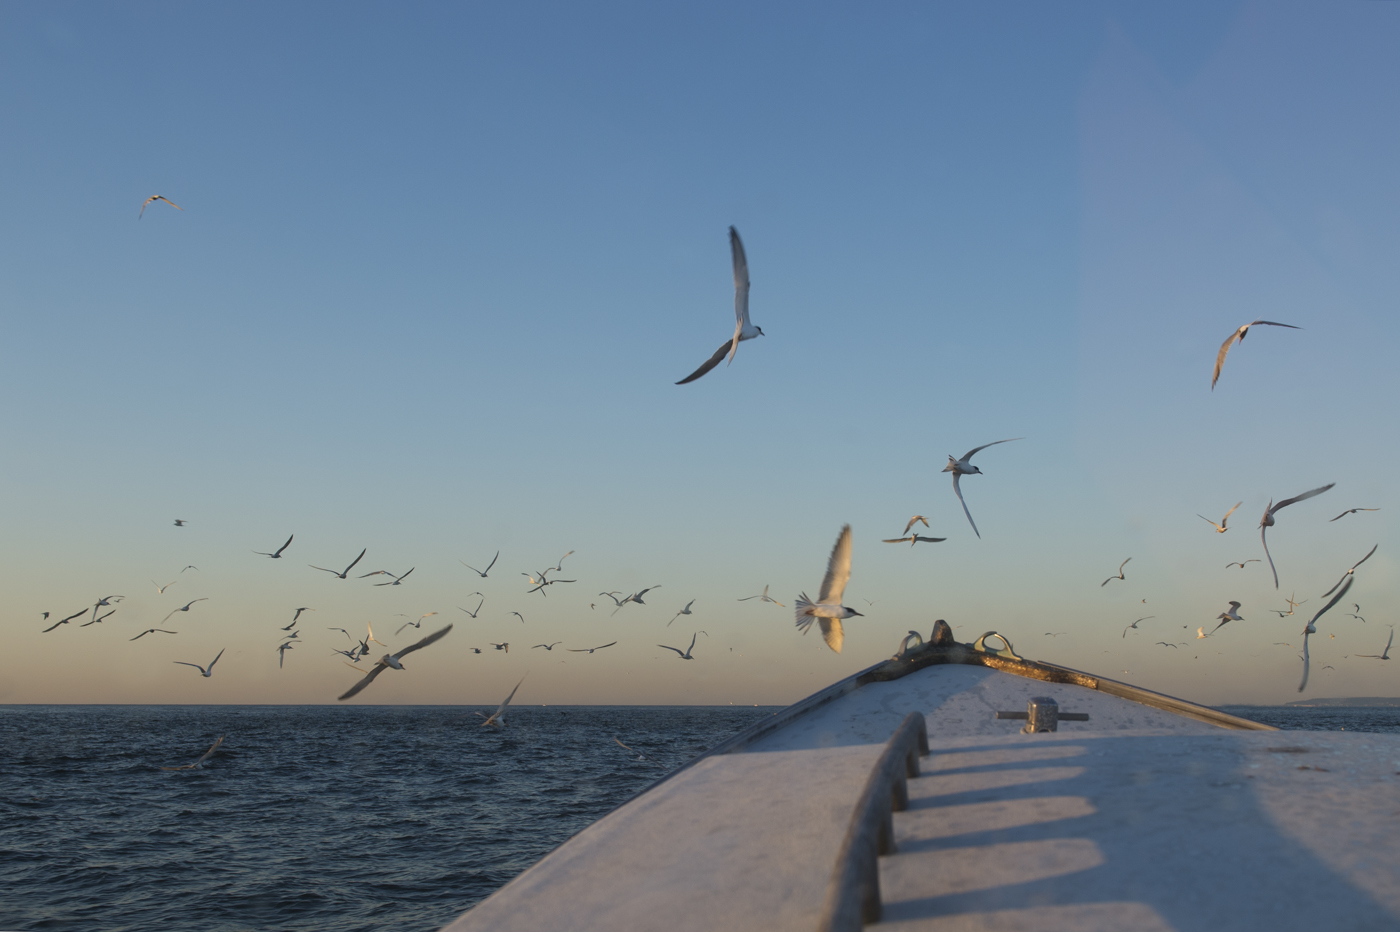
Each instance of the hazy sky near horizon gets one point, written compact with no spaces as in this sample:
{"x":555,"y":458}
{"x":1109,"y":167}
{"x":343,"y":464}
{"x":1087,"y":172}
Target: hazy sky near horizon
{"x":438,"y":268}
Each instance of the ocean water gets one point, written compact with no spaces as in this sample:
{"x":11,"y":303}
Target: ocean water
{"x":1322,"y":718}
{"x":309,"y":818}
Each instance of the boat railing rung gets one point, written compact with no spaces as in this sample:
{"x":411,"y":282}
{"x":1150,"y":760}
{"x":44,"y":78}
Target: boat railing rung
{"x":853,"y":895}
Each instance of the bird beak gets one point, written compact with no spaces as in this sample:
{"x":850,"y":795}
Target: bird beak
{"x":854,"y":612}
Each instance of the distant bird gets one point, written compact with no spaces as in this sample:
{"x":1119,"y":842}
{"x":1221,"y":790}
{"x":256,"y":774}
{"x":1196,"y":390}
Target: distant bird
{"x":191,"y":567}
{"x":344,"y":574}
{"x":915,"y":520}
{"x":476,"y":650}
{"x":282,"y":652}
{"x":684,"y":611}
{"x":589,"y":650}
{"x":1055,"y":634}
{"x":626,"y":748}
{"x":152,"y":631}
{"x":1201,"y":633}
{"x":342,"y":631}
{"x":394,"y":661}
{"x":634,"y":597}
{"x":828,"y":610}
{"x":370,"y":628}
{"x":415,"y":624}
{"x":1120,"y":573}
{"x":1353,"y":614}
{"x":184,"y":608}
{"x":397,"y":579}
{"x":517,"y":615}
{"x":1267,"y":521}
{"x":478,"y":607}
{"x":98,"y":620}
{"x":179,"y":522}
{"x":1350,"y":571}
{"x":105,"y":602}
{"x":505,"y":647}
{"x":684,"y":655}
{"x":199,"y":763}
{"x":294,"y":636}
{"x":1385,"y":654}
{"x":482,"y":573}
{"x":205,"y":672}
{"x":1311,"y":627}
{"x":353,"y":653}
{"x":763,"y":596}
{"x":1351,"y":511}
{"x":964,"y":467}
{"x":1165,"y":644}
{"x":913,"y":539}
{"x":1240,"y":335}
{"x":497,"y":719}
{"x":1232,"y":614}
{"x":158,"y":197}
{"x":160,"y":590}
{"x":305,"y":609}
{"x":1241,"y":564}
{"x":743,"y":328}
{"x":278,"y":554}
{"x":65,"y":621}
{"x":559,"y":566}
{"x":547,"y":646}
{"x":613,"y":595}
{"x":46,"y":615}
{"x":1134,"y":625}
{"x":1221,"y":528}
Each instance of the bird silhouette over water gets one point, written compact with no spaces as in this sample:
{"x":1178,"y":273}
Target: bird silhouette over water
{"x":393,"y":661}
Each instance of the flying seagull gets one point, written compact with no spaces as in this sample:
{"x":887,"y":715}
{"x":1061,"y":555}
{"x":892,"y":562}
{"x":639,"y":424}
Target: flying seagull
{"x":1267,"y":521}
{"x":505,"y":646}
{"x":1119,"y":576}
{"x":482,"y":573}
{"x":1240,"y":335}
{"x":497,"y":719}
{"x":478,"y":607}
{"x":828,"y":609}
{"x":185,"y":608}
{"x":963,"y":467}
{"x":1221,"y":528}
{"x":160,"y":590}
{"x":634,"y":597}
{"x":197,"y":764}
{"x":305,"y":609}
{"x":158,"y":197}
{"x":152,"y":631}
{"x":1136,"y":623}
{"x":684,"y":611}
{"x":517,"y":615}
{"x":278,"y":554}
{"x":393,"y":660}
{"x":397,"y":579}
{"x":743,"y":328}
{"x":97,"y":620}
{"x":913,"y":539}
{"x":344,"y":574}
{"x":1351,"y":511}
{"x":912,"y":521}
{"x":203,"y":671}
{"x":1351,"y":571}
{"x":1311,"y":627}
{"x":589,"y":650}
{"x":765,"y":597}
{"x":684,"y":655}
{"x":282,"y":652}
{"x":1233,"y":614}
{"x":1383,"y":655}
{"x":416,"y":624}
{"x":547,"y":646}
{"x":64,"y":621}
{"x":559,"y":566}
{"x":179,"y":522}
{"x":342,"y":631}
{"x":1241,"y":564}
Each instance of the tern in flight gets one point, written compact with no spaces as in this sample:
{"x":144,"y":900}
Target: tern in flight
{"x":913,"y":521}
{"x":1220,"y":528}
{"x":1240,"y":335}
{"x":743,"y":328}
{"x":416,"y":624}
{"x":765,"y":597}
{"x":1241,"y":564}
{"x":160,"y":590}
{"x":205,"y":672}
{"x":828,"y":610}
{"x":634,"y":597}
{"x":963,"y":467}
{"x":1136,"y":623}
{"x":393,"y":660}
{"x":1383,"y":655}
{"x":158,"y":197}
{"x":1119,"y":576}
{"x":684,"y":611}
{"x":1311,"y":627}
{"x":64,"y":621}
{"x":1267,"y":521}
{"x":497,"y":719}
{"x":344,"y":574}
{"x":179,"y":522}
{"x":547,"y":646}
{"x":613,"y":595}
{"x":505,"y":646}
{"x":1232,"y":614}
{"x":305,"y":609}
{"x":199,"y":763}
{"x":371,"y":639}
{"x":1349,"y":572}
{"x":913,"y":539}
{"x":278,"y":554}
{"x":559,"y":566}
{"x":342,"y":631}
{"x":397,"y":579}
{"x":102,"y":618}
{"x":589,"y":650}
{"x":184,"y":608}
{"x":191,"y":567}
{"x":478,"y":607}
{"x":1351,"y":511}
{"x":517,"y":615}
{"x":282,"y":652}
{"x":152,"y":631}
{"x":684,"y":655}
{"x":482,"y":573}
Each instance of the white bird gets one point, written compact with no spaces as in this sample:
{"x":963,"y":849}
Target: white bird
{"x":685,"y":655}
{"x":963,"y":467}
{"x":684,"y":611}
{"x":743,"y":328}
{"x":1385,"y":654}
{"x":393,"y":660}
{"x":913,"y":521}
{"x":1267,"y":521}
{"x":1240,"y":335}
{"x":497,"y":719}
{"x":1351,"y":571}
{"x":160,"y":590}
{"x":828,"y":610}
{"x":158,"y":197}
{"x":1220,"y":528}
{"x":765,"y":597}
{"x":482,"y":573}
{"x":1120,"y":573}
{"x":282,"y":652}
{"x":204,"y":757}
{"x":1136,"y":623}
{"x":203,"y":671}
{"x":1233,"y":614}
{"x":278,"y":554}
{"x":559,"y":566}
{"x":634,"y":597}
{"x":1311,"y":627}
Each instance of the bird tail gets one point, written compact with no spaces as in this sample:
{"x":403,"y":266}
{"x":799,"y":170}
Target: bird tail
{"x":802,"y":608}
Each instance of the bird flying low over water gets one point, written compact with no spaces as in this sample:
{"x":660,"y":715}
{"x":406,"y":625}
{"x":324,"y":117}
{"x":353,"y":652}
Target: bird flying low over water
{"x":158,"y":197}
{"x":684,"y":655}
{"x":497,"y":719}
{"x":743,"y":328}
{"x":205,"y":672}
{"x":278,"y":554}
{"x":199,"y":763}
{"x":828,"y":610}
{"x":393,"y":660}
{"x":1239,"y":335}
{"x":1220,"y":528}
{"x":1350,"y":511}
{"x":1267,"y":521}
{"x":964,"y":467}
{"x":345,"y":573}
{"x":1120,"y":573}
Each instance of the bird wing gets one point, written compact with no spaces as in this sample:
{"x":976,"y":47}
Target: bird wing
{"x":831,"y":631}
{"x":741,"y":280}
{"x":609,"y":644}
{"x":356,"y":560}
{"x":1123,"y":564}
{"x":211,"y":750}
{"x":1220,"y":356}
{"x":369,"y":678}
{"x":890,"y":540}
{"x":958,"y":489}
{"x":1228,"y":513}
{"x":1306,"y":495}
{"x":985,"y":445}
{"x":184,"y":664}
{"x":697,"y":634}
{"x":1306,"y":663}
{"x":216,"y":659}
{"x":930,"y":540}
{"x":838,"y":570}
{"x":1265,"y":541}
{"x":678,"y":651}
{"x":1271,"y":323}
{"x":436,"y":635}
{"x":502,"y":709}
{"x":76,"y":615}
{"x":492,"y":563}
{"x":1208,"y":521}
{"x":284,"y":546}
{"x":713,"y":361}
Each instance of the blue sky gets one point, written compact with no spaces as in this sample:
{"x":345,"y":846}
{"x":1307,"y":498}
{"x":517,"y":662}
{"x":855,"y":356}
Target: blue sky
{"x":437,"y":270}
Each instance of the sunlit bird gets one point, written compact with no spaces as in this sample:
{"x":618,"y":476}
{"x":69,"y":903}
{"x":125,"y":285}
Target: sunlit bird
{"x":1227,"y":616}
{"x":828,"y":610}
{"x":1267,"y":521}
{"x":964,"y":467}
{"x":394,"y":661}
{"x":160,"y":590}
{"x":1221,"y":528}
{"x":157,"y":197}
{"x":1238,"y":336}
{"x":743,"y":328}
{"x":497,"y":719}
{"x":205,"y":672}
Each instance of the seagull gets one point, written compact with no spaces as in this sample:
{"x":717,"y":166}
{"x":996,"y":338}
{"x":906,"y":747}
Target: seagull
{"x":1267,"y":521}
{"x":1240,"y":335}
{"x":1136,"y":623}
{"x":205,"y":672}
{"x":478,"y":607}
{"x":1055,"y":634}
{"x":1351,"y":511}
{"x":764,"y":597}
{"x":743,"y":328}
{"x":104,"y":602}
{"x":684,"y":611}
{"x":64,"y":621}
{"x":1119,"y":576}
{"x":97,"y":620}
{"x":1383,"y":655}
{"x":416,"y":624}
{"x":913,"y":539}
{"x":559,"y":567}
{"x":1228,"y":616}
{"x":197,"y":764}
{"x":517,"y":615}
{"x":353,"y":653}
{"x":1311,"y":627}
{"x":828,"y":608}
{"x":634,"y":597}
{"x":912,"y":521}
{"x":179,"y":522}
{"x":476,"y":650}
{"x":345,"y":574}
{"x":397,"y":579}
{"x":160,"y":590}
{"x":305,"y":609}
{"x":282,"y":652}
{"x":1221,"y":528}
{"x":505,"y":647}
{"x":1352,"y":570}
{"x":186,"y":608}
{"x":684,"y":655}
{"x":1201,"y":633}
{"x":1241,"y":565}
{"x":191,"y":567}
{"x":963,"y":467}
{"x":393,"y":660}
{"x":618,"y":602}
{"x":370,"y":628}
{"x":589,"y":650}
{"x":547,"y":646}
{"x":158,"y":197}
{"x":294,"y":635}
{"x":152,"y":631}
{"x":1165,"y":644}
{"x":625,"y":747}
{"x":342,"y":631}
{"x":497,"y":719}
{"x":482,"y":573}
{"x":278,"y":554}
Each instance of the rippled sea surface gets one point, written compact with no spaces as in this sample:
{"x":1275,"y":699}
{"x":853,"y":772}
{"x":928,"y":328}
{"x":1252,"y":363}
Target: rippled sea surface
{"x":1322,"y":718}
{"x":307,"y":818}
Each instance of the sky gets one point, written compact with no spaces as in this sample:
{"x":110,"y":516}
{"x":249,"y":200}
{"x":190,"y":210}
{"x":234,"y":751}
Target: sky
{"x":438,"y":268}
